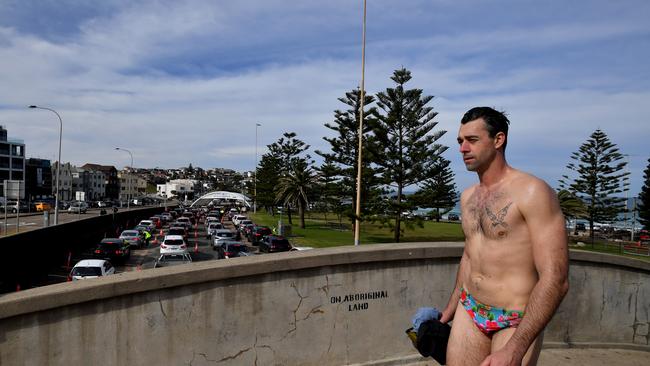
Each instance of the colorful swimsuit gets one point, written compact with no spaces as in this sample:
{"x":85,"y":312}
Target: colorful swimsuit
{"x":489,"y":319}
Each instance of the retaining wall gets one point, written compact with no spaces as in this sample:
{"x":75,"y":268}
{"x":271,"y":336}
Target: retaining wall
{"x":345,"y":305}
{"x":29,"y":256}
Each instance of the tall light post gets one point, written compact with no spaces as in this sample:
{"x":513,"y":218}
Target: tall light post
{"x":128,"y":200}
{"x":58,"y":168}
{"x":357,"y":221}
{"x":255,"y":173}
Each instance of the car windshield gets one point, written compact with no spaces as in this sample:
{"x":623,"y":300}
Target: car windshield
{"x":86,"y":271}
{"x":173,"y":242}
{"x":225,"y":235}
{"x":176,"y":232}
{"x":129,"y":233}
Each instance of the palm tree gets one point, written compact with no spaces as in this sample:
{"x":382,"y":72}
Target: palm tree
{"x":293,"y":188}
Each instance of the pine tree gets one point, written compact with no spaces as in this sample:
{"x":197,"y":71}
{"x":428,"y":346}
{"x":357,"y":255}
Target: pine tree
{"x":644,"y":199}
{"x":345,"y":149}
{"x":598,"y":165}
{"x":439,"y":190}
{"x":405,"y":134}
{"x":268,"y":176}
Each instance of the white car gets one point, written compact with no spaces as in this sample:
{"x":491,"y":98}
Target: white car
{"x":149,"y":224}
{"x":173,"y":244}
{"x":78,"y":207}
{"x":237,"y":218}
{"x":91,"y":268}
{"x":212,"y":227}
{"x":222,"y":236}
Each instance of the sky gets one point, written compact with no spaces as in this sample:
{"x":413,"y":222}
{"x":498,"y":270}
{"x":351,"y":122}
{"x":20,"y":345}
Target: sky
{"x":180,"y":82}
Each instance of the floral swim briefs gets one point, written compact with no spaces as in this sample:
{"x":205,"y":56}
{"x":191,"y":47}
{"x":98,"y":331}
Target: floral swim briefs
{"x":489,"y":319}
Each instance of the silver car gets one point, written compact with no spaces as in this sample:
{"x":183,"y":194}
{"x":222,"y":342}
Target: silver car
{"x":133,"y":237}
{"x":221,"y":236}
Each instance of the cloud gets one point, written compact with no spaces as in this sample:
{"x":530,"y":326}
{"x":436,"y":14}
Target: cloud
{"x":181,"y":82}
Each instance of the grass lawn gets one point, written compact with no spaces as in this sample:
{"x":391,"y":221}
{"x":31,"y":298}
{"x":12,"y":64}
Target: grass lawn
{"x":319,"y":234}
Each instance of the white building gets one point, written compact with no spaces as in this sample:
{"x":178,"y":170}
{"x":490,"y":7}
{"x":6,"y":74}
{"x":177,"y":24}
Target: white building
{"x":177,"y":187}
{"x":65,"y":181}
{"x":128,"y":186}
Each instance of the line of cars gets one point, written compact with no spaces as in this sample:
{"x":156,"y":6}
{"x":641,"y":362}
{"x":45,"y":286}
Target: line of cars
{"x":118,"y":250}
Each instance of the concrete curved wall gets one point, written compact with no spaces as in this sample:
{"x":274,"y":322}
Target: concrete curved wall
{"x":332,"y":306}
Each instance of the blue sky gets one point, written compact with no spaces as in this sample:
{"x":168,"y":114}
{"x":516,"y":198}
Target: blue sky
{"x":181,"y":82}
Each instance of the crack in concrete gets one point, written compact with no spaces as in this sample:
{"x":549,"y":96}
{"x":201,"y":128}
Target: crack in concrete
{"x":161,"y":308}
{"x":295,"y":312}
{"x":336,"y":314}
{"x":227,"y":358}
{"x":602,"y":308}
{"x":315,"y":310}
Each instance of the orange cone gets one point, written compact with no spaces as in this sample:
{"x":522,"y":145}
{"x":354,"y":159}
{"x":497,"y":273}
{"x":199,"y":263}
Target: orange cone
{"x":196,"y":247}
{"x":17,"y":287}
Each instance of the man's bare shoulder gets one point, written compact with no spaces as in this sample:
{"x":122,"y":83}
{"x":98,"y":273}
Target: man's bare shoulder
{"x":530,"y":189}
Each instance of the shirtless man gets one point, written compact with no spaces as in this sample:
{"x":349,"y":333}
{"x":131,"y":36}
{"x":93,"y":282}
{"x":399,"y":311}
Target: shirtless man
{"x":513,"y":273}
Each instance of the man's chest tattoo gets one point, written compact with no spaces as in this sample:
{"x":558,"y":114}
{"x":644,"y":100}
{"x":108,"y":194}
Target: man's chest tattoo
{"x":488,"y":211}
{"x":497,"y":219}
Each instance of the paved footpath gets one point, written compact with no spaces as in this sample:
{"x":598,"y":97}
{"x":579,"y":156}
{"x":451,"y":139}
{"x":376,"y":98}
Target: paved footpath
{"x":582,"y":357}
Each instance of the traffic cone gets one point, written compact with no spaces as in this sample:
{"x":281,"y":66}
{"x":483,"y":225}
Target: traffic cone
{"x":196,"y":247}
{"x":17,"y":287}
{"x":138,"y":267}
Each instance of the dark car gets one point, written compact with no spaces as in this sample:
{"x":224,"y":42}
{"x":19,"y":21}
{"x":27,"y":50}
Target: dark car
{"x":178,"y":230}
{"x":231,"y":250}
{"x":257,"y":233}
{"x":274,"y":243}
{"x":113,"y":249}
{"x":452,"y":217}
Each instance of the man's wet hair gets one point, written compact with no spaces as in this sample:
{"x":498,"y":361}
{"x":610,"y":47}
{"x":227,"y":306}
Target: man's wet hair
{"x":495,"y":121}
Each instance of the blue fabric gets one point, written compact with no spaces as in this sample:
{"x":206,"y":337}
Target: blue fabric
{"x":424,"y":314}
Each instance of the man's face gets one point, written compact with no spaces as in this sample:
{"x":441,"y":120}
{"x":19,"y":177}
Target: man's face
{"x":476,"y":145}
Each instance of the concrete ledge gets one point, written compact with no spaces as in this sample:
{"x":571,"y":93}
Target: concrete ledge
{"x":609,"y":259}
{"x":49,"y":297}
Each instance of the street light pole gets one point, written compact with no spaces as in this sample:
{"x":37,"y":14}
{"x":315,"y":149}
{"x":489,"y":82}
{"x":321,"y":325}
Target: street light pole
{"x":58,"y":170}
{"x":128,"y":200}
{"x":357,"y":221}
{"x":255,"y":173}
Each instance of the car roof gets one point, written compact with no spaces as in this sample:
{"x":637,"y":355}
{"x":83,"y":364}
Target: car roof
{"x":173,"y":237}
{"x":91,"y":263}
{"x":130,"y":231}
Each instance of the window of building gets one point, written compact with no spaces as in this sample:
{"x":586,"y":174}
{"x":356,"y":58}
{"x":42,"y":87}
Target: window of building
{"x":17,"y":164}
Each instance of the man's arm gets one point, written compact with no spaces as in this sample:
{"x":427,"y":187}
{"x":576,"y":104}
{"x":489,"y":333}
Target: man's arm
{"x":545,"y":222}
{"x":450,"y":309}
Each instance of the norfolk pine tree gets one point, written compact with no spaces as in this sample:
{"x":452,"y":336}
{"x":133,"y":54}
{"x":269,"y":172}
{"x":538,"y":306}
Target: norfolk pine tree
{"x":439,"y":190}
{"x":644,"y":199}
{"x":598,"y":165}
{"x":345,"y":148}
{"x":408,"y":145}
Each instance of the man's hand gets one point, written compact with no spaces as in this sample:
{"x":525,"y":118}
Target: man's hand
{"x":447,"y":316}
{"x":503,"y":357}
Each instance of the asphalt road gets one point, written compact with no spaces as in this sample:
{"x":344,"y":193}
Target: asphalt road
{"x":199,"y":247}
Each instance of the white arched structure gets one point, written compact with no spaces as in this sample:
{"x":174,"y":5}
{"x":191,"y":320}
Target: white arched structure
{"x":222,"y":198}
